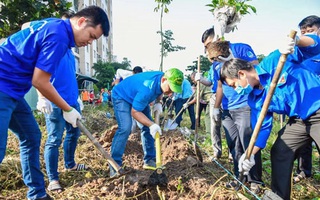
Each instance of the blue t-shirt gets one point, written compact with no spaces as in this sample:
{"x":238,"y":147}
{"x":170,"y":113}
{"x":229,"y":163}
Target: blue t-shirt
{"x":295,"y":95}
{"x":310,"y":55}
{"x":64,"y":79}
{"x":105,"y":97}
{"x":312,"y":50}
{"x":212,"y":76}
{"x":186,"y":90}
{"x":42,"y":45}
{"x":139,"y":90}
{"x":231,"y":99}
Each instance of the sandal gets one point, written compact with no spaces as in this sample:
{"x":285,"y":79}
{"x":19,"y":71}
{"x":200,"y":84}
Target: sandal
{"x":54,"y":186}
{"x":255,"y":188}
{"x":78,"y":167}
{"x":298,"y":178}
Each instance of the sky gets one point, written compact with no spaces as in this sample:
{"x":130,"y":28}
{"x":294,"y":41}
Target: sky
{"x":135,"y":26}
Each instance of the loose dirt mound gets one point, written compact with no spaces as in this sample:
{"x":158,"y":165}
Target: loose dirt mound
{"x":187,"y":178}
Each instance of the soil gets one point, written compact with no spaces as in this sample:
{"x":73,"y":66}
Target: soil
{"x":187,"y":177}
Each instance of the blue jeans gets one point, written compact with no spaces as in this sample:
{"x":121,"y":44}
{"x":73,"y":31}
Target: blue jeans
{"x":55,"y":127}
{"x":122,"y":111}
{"x":17,"y":116}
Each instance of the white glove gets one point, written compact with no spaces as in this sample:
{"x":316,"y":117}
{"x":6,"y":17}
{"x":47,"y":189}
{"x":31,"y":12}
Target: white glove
{"x":216,"y":114}
{"x":80,"y":103}
{"x":185,"y":106}
{"x":287,"y":46}
{"x":157,"y":107}
{"x":72,"y":116}
{"x":246,"y":164}
{"x":198,"y":76}
{"x":44,"y":105}
{"x":153,"y":129}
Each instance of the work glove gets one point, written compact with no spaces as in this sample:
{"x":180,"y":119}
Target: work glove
{"x":155,"y":128}
{"x":185,"y":106}
{"x":287,"y":45}
{"x":44,"y":105}
{"x":198,"y":76}
{"x":216,"y":114}
{"x":246,"y":164}
{"x":157,"y":107}
{"x":71,"y":117}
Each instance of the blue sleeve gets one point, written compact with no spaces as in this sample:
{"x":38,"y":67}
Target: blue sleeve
{"x":265,"y":129}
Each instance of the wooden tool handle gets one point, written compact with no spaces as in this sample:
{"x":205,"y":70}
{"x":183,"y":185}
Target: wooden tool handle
{"x":98,"y":146}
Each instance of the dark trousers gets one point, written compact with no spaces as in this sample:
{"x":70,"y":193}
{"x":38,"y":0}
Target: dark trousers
{"x":304,"y":167}
{"x":294,"y":136}
{"x":178,"y":106}
{"x":202,"y":107}
{"x":238,"y":131}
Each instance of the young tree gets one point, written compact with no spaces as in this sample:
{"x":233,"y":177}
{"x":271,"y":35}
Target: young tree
{"x":227,"y":14}
{"x":167,"y":45}
{"x":163,"y":7}
{"x":14,"y":13}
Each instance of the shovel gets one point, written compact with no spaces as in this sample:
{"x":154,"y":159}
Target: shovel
{"x":119,"y":170}
{"x":170,"y":124}
{"x":158,"y":177}
{"x":264,"y":111}
{"x":196,"y":148}
{"x":169,"y":114}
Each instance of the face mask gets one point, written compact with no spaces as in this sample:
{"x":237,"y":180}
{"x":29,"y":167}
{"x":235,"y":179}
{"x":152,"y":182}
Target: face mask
{"x":244,"y":90}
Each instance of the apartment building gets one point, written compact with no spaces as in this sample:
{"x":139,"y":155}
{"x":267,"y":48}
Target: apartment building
{"x":86,"y":56}
{"x":99,"y":49}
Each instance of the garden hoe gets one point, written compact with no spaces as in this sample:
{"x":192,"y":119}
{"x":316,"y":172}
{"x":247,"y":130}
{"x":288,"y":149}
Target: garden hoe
{"x":195,"y":146}
{"x":264,"y":110}
{"x":158,"y":177}
{"x":119,"y":170}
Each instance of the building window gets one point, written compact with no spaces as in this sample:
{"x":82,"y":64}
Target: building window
{"x":94,"y":53}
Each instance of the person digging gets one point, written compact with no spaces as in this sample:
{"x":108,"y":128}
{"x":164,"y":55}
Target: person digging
{"x":131,"y":98}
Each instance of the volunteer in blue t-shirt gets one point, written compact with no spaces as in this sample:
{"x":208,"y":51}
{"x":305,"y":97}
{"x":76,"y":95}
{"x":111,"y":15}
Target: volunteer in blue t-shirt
{"x":131,"y":98}
{"x":29,"y":57}
{"x":295,"y":95}
{"x":307,"y":51}
{"x":235,"y":109}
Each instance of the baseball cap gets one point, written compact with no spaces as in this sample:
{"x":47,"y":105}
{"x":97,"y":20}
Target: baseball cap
{"x":175,"y":78}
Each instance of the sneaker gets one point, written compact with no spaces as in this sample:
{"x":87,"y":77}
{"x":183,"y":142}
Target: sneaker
{"x":151,"y":164}
{"x":298,"y":178}
{"x":232,"y":184}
